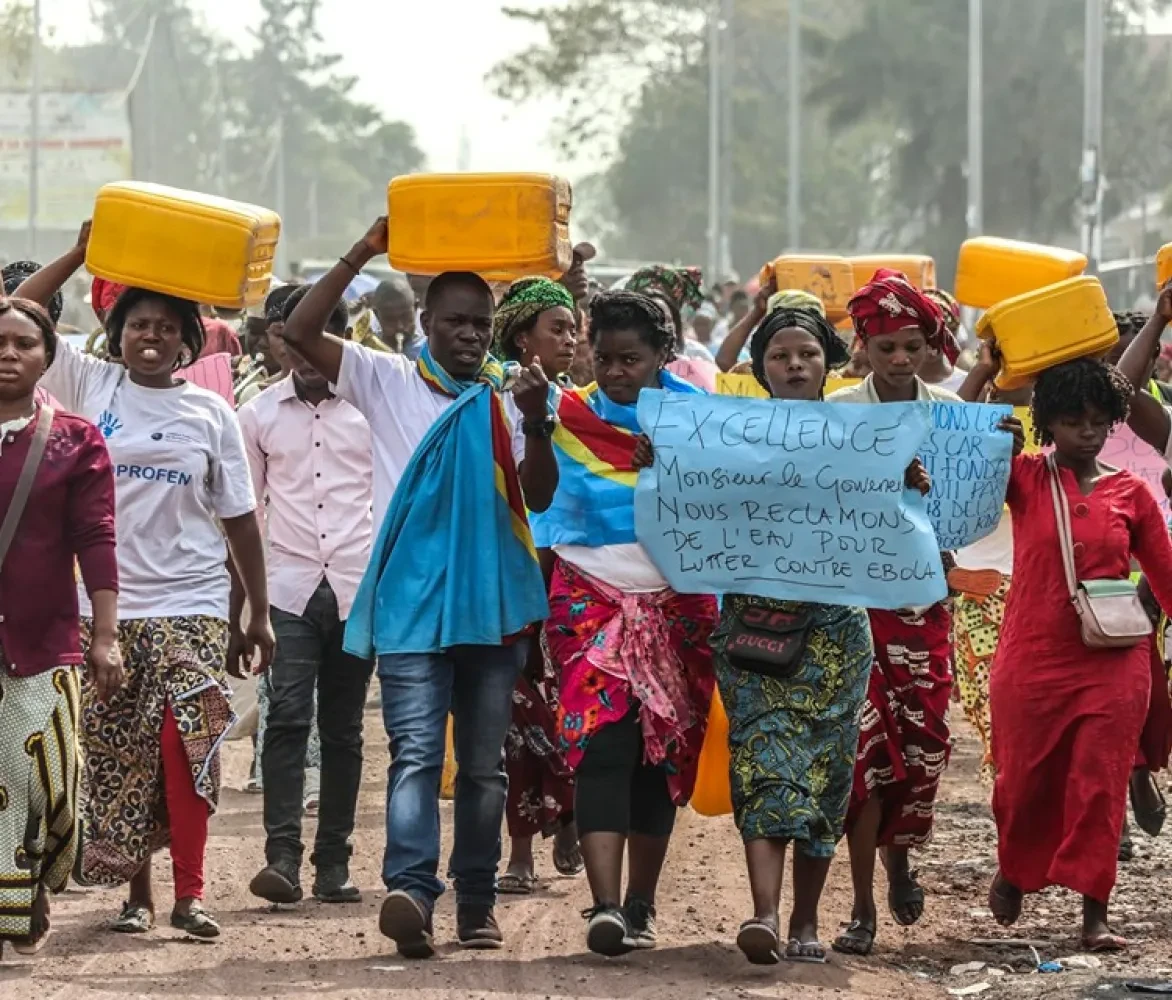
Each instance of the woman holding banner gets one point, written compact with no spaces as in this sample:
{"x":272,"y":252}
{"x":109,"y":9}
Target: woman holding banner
{"x":636,"y":669}
{"x":152,"y":770}
{"x":904,"y":742}
{"x":793,"y":717}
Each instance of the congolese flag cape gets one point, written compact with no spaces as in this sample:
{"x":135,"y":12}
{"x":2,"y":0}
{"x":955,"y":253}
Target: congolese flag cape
{"x":594,"y":444}
{"x":454,"y":563}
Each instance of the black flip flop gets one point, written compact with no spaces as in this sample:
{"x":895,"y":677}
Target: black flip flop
{"x":570,"y":863}
{"x":907,"y":892}
{"x":759,"y":942}
{"x":857,"y":939}
{"x":512,"y":884}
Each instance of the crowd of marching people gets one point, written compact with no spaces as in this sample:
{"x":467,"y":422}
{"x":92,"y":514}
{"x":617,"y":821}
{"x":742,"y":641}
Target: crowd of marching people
{"x":437,"y":495}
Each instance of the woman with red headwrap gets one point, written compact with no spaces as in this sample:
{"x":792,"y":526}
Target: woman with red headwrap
{"x":904,"y":738}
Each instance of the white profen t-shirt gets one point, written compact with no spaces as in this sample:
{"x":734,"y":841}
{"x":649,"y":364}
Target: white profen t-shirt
{"x":400,"y":407}
{"x":179,"y":464}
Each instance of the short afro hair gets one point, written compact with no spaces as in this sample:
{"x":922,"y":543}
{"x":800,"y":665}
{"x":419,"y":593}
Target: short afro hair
{"x":1067,"y":389}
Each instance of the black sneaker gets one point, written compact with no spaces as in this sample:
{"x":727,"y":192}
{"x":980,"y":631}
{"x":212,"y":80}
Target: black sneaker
{"x":407,"y":921}
{"x":606,"y":931}
{"x":331,"y":884}
{"x":476,"y":926}
{"x":640,"y":916}
{"x":278,"y":882}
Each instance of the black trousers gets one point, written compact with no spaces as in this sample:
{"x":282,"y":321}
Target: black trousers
{"x":615,"y":790}
{"x":309,"y":656}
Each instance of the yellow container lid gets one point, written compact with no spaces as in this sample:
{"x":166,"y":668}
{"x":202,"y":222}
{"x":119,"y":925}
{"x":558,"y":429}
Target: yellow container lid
{"x":1164,"y":266}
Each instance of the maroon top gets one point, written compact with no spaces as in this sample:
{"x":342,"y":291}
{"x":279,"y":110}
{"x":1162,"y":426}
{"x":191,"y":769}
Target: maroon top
{"x":70,"y":513}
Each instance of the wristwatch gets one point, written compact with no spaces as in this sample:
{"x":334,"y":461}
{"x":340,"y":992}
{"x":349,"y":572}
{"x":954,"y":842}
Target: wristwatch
{"x":542,"y":428}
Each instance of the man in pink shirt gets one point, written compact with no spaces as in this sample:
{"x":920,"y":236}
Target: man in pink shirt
{"x":310,"y":456}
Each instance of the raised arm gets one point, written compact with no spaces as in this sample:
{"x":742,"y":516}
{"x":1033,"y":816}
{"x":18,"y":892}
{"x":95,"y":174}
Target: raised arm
{"x":973,"y":388}
{"x":1148,"y":418}
{"x":1137,"y":359}
{"x":305,"y":328}
{"x":50,"y":279}
{"x":730,"y":349}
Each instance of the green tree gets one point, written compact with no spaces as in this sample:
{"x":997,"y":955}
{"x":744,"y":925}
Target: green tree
{"x":885,"y":94}
{"x":904,"y":61}
{"x":654,"y":123}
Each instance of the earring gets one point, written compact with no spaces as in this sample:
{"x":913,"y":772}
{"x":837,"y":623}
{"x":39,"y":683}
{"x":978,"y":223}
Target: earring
{"x":184,"y":358}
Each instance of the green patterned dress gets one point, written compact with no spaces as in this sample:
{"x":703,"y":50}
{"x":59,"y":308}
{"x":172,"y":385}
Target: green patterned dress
{"x":793,"y":742}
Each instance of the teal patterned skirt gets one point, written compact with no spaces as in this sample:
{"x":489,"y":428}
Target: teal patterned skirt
{"x":793,"y":742}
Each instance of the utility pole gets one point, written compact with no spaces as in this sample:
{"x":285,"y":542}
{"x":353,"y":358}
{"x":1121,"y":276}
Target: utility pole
{"x":1091,"y":174}
{"x":712,"y":267}
{"x":282,"y":255}
{"x":727,"y":68}
{"x":34,"y":131}
{"x":975,"y":215}
{"x":794,"y":199}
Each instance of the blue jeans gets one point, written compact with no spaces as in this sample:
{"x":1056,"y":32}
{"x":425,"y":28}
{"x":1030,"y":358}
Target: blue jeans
{"x":475,"y":684}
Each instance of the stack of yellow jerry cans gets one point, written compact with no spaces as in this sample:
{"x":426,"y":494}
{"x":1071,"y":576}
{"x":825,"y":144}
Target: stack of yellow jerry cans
{"x":1041,"y":308}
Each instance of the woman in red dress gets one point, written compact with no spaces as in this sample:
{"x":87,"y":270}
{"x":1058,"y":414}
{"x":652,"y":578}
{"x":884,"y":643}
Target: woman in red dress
{"x":1067,"y":718}
{"x":904,"y":739}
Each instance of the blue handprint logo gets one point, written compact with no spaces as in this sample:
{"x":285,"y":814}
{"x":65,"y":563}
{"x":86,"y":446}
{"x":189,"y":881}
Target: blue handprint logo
{"x":108,"y":424}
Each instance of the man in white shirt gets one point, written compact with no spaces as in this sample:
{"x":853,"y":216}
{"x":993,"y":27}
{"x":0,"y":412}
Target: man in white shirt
{"x":309,"y":453}
{"x":473,"y":682}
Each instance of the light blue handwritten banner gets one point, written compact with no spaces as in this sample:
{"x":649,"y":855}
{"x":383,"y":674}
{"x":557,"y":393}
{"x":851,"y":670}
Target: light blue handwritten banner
{"x":968,"y":457}
{"x":790,"y":500}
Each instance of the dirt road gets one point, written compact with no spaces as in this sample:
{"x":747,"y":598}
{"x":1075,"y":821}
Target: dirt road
{"x":336,"y":953}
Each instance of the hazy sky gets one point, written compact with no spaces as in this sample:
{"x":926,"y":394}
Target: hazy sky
{"x":422,"y":61}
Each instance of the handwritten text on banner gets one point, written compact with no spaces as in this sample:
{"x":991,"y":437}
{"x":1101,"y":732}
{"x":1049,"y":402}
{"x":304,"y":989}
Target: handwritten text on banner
{"x":967,"y":456}
{"x":796,"y":501}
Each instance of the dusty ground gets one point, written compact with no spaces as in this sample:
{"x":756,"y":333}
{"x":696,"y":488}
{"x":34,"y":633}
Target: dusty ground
{"x":332,"y":953}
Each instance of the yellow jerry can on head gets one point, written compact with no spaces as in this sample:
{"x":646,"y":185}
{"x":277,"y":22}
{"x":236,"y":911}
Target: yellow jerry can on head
{"x":183,"y":243}
{"x":991,"y":270}
{"x":919,"y":268}
{"x":1164,"y":266}
{"x":1048,"y":326}
{"x":830,"y":278}
{"x":500,"y":226}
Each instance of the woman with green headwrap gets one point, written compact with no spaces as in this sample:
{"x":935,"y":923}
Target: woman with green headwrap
{"x":537,"y":320}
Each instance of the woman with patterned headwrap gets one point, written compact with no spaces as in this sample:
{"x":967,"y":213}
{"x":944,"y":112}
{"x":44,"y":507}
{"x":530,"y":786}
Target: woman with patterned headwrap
{"x":536,"y":320}
{"x":679,"y":289}
{"x":904,"y":743}
{"x":792,"y":737}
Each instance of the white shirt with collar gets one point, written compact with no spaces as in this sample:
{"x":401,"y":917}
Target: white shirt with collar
{"x":311,"y":469}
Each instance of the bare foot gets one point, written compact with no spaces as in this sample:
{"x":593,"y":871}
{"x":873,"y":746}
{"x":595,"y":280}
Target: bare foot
{"x":1005,"y":901}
